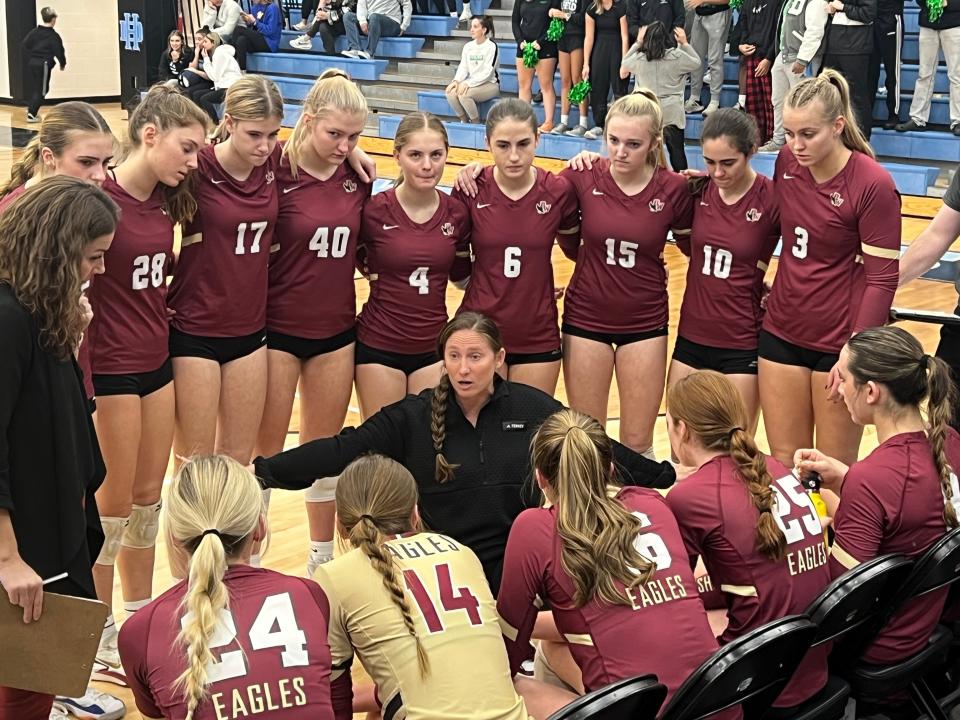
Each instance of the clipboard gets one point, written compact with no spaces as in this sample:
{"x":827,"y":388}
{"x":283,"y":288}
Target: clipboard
{"x":55,"y":654}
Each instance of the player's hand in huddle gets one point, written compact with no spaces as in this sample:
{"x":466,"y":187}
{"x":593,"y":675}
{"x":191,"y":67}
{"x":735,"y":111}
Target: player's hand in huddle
{"x":833,"y":384}
{"x":363,"y":165}
{"x":583,"y":160}
{"x":831,"y":471}
{"x":466,"y":179}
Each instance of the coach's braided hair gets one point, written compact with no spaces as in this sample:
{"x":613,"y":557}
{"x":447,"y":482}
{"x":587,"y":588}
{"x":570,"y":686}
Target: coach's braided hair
{"x":62,"y":124}
{"x":894,"y":358}
{"x":332,"y":91}
{"x":167,"y":109}
{"x":575,"y":457}
{"x":643,"y":102}
{"x":414,"y":123}
{"x":213,"y":507}
{"x":253,"y":98}
{"x":481,"y":325}
{"x":833,"y":92}
{"x":376,"y":496}
{"x":713,"y":411}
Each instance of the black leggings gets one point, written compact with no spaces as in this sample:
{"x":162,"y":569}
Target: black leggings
{"x":605,"y":76}
{"x":676,"y":149}
{"x":856,"y":70}
{"x":887,"y":40}
{"x":38,"y":74}
{"x":329,"y":32}
{"x":208,"y":102}
{"x":246,"y":40}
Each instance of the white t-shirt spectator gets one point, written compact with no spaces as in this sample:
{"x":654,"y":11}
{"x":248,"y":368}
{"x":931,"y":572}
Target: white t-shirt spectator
{"x":478,"y":63}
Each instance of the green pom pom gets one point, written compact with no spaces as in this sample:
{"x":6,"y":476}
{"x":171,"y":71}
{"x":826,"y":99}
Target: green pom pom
{"x":934,"y":9}
{"x":579,"y":92}
{"x":736,"y":4}
{"x":555,"y":31}
{"x":531,"y":56}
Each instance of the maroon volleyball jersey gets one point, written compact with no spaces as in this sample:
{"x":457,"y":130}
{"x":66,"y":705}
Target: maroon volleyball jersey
{"x":619,"y":284}
{"x":8,"y":199}
{"x":408,"y":265}
{"x":511,"y":281}
{"x":729,"y":249}
{"x":219,"y":287}
{"x":314,"y":252}
{"x":892,"y":502}
{"x":718,"y":522}
{"x":270,"y":652}
{"x":839,"y":264}
{"x":129,"y":332}
{"x":666,"y":612}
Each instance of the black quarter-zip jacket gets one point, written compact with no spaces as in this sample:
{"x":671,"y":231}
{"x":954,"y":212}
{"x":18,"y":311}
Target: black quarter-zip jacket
{"x":491,"y":486}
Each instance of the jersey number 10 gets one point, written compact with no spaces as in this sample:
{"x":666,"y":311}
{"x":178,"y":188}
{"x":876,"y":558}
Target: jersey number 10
{"x":450,"y":599}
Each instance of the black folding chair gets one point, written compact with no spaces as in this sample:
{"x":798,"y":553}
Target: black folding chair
{"x":637,"y":698}
{"x":751,"y":671}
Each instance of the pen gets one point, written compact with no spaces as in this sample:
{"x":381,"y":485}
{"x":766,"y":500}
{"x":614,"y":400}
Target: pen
{"x":49,"y":580}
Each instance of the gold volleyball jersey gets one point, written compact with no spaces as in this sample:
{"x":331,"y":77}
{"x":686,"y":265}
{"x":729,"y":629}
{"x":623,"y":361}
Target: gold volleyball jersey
{"x":455,"y":617}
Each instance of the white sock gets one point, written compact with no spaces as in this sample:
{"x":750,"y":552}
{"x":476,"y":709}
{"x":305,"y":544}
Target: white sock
{"x":564,"y":119}
{"x":584,"y":122}
{"x":321,"y":550}
{"x":742,"y":100}
{"x":255,"y":560}
{"x":131,"y":606}
{"x":649,"y":453}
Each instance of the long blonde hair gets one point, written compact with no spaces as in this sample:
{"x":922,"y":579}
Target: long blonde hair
{"x":61,"y":125}
{"x":833,"y":92}
{"x":252,"y":98}
{"x":575,"y":457}
{"x":643,"y":102}
{"x":212,"y":507}
{"x":376,"y":497}
{"x":332,"y":91}
{"x":43,"y":235}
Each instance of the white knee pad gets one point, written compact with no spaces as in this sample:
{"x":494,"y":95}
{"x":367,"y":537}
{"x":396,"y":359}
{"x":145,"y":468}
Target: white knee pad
{"x":113,"y":529}
{"x":322,"y":490}
{"x":143,"y":527}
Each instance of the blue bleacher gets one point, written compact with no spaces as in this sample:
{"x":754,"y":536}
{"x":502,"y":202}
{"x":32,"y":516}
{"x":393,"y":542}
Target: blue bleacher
{"x":389,"y":47}
{"x":419,"y":25}
{"x":295,"y":63}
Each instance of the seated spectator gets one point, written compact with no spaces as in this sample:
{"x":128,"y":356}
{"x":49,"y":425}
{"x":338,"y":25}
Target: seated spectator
{"x":221,"y":16}
{"x":220,"y":69}
{"x":476,"y":79}
{"x":306,"y":9}
{"x":175,"y":59}
{"x":375,"y":19}
{"x":663,"y":69}
{"x":328,"y":23}
{"x":258,"y":31}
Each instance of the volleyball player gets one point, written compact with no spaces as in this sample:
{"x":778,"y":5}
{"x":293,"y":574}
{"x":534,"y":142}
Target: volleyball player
{"x":736,"y":226}
{"x":312,"y":260}
{"x":609,"y":561}
{"x":840,"y":218}
{"x":748,"y":516}
{"x":233,"y":640}
{"x":516,"y":212}
{"x":412,"y":236}
{"x":615,"y":312}
{"x":903,"y":496}
{"x":128,"y":339}
{"x":415,"y":608}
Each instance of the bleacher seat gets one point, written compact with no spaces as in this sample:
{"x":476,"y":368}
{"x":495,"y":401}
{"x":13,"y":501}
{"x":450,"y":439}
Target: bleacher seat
{"x":389,"y":47}
{"x":294,"y":63}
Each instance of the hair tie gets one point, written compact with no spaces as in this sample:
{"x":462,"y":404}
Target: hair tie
{"x":925,"y":361}
{"x":212,"y":531}
{"x":733,"y":430}
{"x":365,"y":516}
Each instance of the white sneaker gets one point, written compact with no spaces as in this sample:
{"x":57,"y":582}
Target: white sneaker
{"x":594,"y":133}
{"x":578,"y":131}
{"x":94,"y":704}
{"x":711,"y":108}
{"x":107,"y":666}
{"x":771,"y":146}
{"x":693,"y":106}
{"x":466,"y":14}
{"x":304,"y":42}
{"x":58,"y":712}
{"x":302,"y":25}
{"x":364,"y":54}
{"x":349,"y":53}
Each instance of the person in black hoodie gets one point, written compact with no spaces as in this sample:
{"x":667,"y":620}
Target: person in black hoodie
{"x":641,"y":13}
{"x":754,"y":39}
{"x":887,"y":43}
{"x":849,"y":47}
{"x":175,"y":59}
{"x":40,"y":47}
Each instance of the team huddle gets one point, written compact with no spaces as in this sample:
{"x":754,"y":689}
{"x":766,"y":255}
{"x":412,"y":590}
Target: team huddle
{"x":483,"y":524}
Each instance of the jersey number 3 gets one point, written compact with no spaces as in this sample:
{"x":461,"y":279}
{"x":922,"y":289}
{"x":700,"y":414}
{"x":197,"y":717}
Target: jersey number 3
{"x":450,"y":599}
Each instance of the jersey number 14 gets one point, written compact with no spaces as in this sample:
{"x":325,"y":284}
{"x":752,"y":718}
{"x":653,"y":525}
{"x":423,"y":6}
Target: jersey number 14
{"x":450,"y":599}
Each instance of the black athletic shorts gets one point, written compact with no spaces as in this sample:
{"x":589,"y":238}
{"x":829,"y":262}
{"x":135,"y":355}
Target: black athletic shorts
{"x":533,"y":358}
{"x":724,"y":360}
{"x":220,"y":349}
{"x":407,"y":364}
{"x":547,"y":50}
{"x":140,"y":384}
{"x":304,"y":348}
{"x":568,"y":42}
{"x":612,"y":339}
{"x":780,"y":351}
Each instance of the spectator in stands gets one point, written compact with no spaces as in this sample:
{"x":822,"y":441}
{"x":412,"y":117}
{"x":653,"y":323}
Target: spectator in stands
{"x":754,"y":39}
{"x":641,"y":13}
{"x":570,"y":62}
{"x":193,"y":79}
{"x":663,"y":69}
{"x":328,"y":23}
{"x":375,"y":19}
{"x":848,"y":51}
{"x":40,"y":47}
{"x":306,"y":9}
{"x":175,"y":59}
{"x":258,"y":31}
{"x":221,"y":16}
{"x":799,"y":46}
{"x":943,"y":32}
{"x":221,"y":69}
{"x":708,"y":35}
{"x":887,"y":41}
{"x":476,"y":80}
{"x":604,"y":46}
{"x":530,"y":20}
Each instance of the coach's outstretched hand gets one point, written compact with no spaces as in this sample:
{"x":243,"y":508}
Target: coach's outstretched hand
{"x":831,"y":471}
{"x":24,"y":587}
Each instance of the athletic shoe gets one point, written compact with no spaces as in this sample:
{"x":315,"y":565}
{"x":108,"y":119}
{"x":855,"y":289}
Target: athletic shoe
{"x":350,"y":53}
{"x":33,"y":118}
{"x":304,"y":42}
{"x":94,"y":704}
{"x":693,"y":106}
{"x":738,"y":106}
{"x":711,"y":108}
{"x":891,"y":123}
{"x":466,"y":14}
{"x":910,"y":125}
{"x":302,"y":25}
{"x":578,"y":131}
{"x":594,"y":133}
{"x":546,"y":126}
{"x":364,"y":54}
{"x":771,"y":146}
{"x":107,"y":667}
{"x":537,"y":98}
{"x":560,"y":128}
{"x":58,"y":712}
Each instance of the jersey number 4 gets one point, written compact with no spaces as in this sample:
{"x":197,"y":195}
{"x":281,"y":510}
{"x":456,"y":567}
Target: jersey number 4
{"x":450,"y":599}
{"x":275,"y":626}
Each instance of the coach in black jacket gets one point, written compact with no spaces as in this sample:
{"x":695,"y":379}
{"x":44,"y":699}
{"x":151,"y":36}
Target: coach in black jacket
{"x":641,"y":13}
{"x":491,"y":481}
{"x":849,"y":47}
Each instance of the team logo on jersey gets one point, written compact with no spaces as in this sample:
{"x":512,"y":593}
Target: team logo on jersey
{"x":447,"y":229}
{"x":754,"y":215}
{"x":543,"y":207}
{"x":349,"y":186}
{"x":269,"y":176}
{"x":656,"y":205}
{"x":836,"y":199}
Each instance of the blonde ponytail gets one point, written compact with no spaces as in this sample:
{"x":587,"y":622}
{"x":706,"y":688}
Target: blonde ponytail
{"x":833,"y":92}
